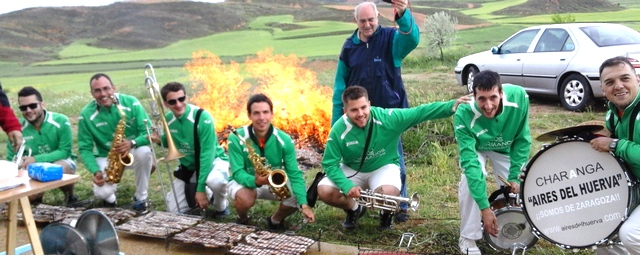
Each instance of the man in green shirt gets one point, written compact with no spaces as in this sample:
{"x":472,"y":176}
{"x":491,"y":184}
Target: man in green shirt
{"x":96,"y":128}
{"x":47,"y":136}
{"x":197,"y":178}
{"x":495,"y":127}
{"x":620,"y":84}
{"x":347,"y":173}
{"x":277,"y":148}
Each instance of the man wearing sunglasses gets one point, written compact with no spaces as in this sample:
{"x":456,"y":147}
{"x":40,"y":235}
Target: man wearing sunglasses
{"x":96,"y":128}
{"x":47,"y":136}
{"x":204,"y":169}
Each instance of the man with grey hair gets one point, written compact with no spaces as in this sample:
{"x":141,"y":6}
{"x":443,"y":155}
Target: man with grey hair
{"x":372,"y":58}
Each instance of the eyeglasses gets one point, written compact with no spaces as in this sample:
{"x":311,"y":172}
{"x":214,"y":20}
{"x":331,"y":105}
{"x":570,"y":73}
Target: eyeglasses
{"x":31,"y":106}
{"x":173,"y":101}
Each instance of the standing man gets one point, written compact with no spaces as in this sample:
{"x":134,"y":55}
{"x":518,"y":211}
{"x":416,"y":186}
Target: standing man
{"x":619,"y":83}
{"x":194,"y":175}
{"x":278,"y":151}
{"x":495,"y":127}
{"x":96,"y":129}
{"x":48,"y":135}
{"x":372,"y":58}
{"x":348,"y":173}
{"x":9,"y":122}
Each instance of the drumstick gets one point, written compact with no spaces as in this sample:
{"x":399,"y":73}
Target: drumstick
{"x":506,"y":183}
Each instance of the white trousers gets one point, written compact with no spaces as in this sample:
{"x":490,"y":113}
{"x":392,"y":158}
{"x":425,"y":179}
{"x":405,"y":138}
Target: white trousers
{"x":386,"y":175}
{"x":142,"y":163}
{"x":629,"y":234}
{"x":216,"y":187}
{"x":264,"y":193}
{"x":470,"y":217}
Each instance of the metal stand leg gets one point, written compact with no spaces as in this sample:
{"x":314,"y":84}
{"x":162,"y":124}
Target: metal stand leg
{"x":408,"y":236}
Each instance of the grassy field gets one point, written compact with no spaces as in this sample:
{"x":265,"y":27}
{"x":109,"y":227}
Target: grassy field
{"x":430,"y":149}
{"x":315,"y":38}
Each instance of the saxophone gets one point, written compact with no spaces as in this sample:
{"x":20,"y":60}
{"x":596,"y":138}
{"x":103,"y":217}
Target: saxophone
{"x":116,"y":162}
{"x":277,"y":178}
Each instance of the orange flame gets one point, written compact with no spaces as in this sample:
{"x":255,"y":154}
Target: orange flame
{"x":302,"y":107}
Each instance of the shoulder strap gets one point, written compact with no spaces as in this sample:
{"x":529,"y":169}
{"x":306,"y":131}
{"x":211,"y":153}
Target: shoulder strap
{"x":366,"y":147}
{"x":612,"y":124}
{"x":196,"y":141}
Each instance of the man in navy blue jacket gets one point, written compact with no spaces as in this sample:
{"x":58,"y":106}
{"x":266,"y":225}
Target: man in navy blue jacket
{"x":371,"y":58}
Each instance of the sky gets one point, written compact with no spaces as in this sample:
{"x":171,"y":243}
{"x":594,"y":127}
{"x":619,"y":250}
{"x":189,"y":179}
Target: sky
{"x":9,"y":6}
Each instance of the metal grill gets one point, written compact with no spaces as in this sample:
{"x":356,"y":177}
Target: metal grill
{"x":264,"y":242}
{"x":158,"y":224}
{"x":43,"y":213}
{"x":115,"y":215}
{"x":214,"y":235}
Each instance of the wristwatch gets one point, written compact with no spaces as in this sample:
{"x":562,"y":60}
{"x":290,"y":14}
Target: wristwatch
{"x":133,"y":144}
{"x":613,"y":145}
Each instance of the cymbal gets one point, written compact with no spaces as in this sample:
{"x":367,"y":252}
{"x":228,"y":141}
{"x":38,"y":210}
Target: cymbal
{"x":603,"y":132}
{"x":570,"y":131}
{"x":60,"y":238}
{"x":99,"y":232}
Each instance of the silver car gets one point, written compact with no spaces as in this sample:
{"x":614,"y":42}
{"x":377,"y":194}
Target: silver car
{"x":560,"y":60}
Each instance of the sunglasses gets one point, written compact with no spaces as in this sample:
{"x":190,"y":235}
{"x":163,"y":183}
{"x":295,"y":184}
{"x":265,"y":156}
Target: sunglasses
{"x":173,"y":101}
{"x":31,"y":106}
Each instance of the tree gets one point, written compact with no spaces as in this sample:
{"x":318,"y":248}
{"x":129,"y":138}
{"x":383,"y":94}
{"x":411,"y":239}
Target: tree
{"x":568,"y":18}
{"x":440,"y":29}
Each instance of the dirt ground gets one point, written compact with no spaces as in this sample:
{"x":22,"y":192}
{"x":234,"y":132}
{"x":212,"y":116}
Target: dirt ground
{"x":141,"y":245}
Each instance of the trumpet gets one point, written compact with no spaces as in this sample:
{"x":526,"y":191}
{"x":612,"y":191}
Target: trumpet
{"x":157,"y":112}
{"x":373,"y":200}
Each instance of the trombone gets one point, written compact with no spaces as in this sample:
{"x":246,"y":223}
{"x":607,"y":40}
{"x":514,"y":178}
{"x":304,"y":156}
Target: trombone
{"x":160,"y":125}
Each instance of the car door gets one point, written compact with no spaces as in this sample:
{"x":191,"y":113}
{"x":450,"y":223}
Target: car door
{"x":507,"y":61}
{"x":550,"y":58}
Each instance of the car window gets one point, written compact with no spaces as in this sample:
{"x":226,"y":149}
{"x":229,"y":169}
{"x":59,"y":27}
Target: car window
{"x":519,"y":43}
{"x":568,"y":45}
{"x":611,"y":35}
{"x":552,"y":40}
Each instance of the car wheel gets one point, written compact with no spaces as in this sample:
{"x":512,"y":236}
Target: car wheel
{"x":575,"y":93}
{"x":471,"y":73}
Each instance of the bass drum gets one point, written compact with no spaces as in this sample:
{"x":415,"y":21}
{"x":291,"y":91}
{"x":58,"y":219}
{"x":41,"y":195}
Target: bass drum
{"x":514,"y":230}
{"x":577,"y":197}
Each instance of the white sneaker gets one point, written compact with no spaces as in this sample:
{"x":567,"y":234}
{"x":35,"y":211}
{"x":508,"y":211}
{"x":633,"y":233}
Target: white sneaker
{"x":468,"y":246}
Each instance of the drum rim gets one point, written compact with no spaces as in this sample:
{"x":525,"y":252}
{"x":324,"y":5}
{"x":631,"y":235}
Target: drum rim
{"x":489,"y":239}
{"x":535,"y":231}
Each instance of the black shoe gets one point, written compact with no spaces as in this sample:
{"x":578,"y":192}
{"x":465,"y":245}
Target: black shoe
{"x":71,"y":200}
{"x":272,"y":226}
{"x":140,"y":206}
{"x":351,"y":222}
{"x":402,"y":216}
{"x":386,"y":219}
{"x":221,"y":214}
{"x":245,"y":221}
{"x":108,"y":205}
